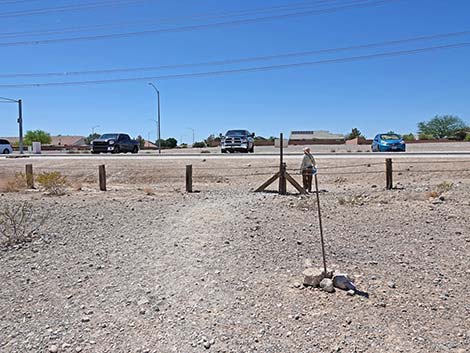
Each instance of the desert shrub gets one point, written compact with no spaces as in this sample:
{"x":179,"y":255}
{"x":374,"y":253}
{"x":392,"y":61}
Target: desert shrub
{"x":54,"y":183}
{"x":14,"y":184}
{"x":18,"y":223}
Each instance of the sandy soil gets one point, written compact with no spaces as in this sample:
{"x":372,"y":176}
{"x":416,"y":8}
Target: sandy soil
{"x":146,"y":267}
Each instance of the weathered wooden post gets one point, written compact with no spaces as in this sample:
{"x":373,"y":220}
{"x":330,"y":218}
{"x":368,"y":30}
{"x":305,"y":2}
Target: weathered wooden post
{"x":102,"y":177}
{"x":189,"y":178}
{"x":29,"y":176}
{"x":388,"y":174}
{"x":282,"y":168}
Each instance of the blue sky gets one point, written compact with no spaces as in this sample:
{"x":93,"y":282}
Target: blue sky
{"x":392,"y":93}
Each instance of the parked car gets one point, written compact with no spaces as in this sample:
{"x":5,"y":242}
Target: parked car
{"x":5,"y":147}
{"x":114,"y":143}
{"x":237,"y":141}
{"x":388,"y":142}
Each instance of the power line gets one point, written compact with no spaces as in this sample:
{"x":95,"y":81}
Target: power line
{"x":252,"y":69}
{"x":212,"y":16}
{"x":240,"y":60}
{"x":198,"y":27}
{"x":46,"y":10}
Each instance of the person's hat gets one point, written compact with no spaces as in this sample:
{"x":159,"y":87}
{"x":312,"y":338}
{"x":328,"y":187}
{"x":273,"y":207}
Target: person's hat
{"x":307,"y":149}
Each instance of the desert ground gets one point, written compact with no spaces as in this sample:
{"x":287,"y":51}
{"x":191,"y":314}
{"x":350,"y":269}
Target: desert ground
{"x":147,"y":267}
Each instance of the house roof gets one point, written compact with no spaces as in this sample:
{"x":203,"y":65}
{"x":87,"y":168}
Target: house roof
{"x":57,"y":140}
{"x":314,"y":135}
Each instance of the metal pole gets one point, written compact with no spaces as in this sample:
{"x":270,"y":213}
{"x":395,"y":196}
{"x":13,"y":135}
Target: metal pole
{"x":20,"y":124}
{"x":158,"y":128}
{"x":321,"y":226}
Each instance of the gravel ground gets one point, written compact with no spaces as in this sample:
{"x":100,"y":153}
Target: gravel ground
{"x":146,"y":267}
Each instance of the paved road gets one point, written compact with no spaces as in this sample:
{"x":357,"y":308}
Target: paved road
{"x":212,"y":156}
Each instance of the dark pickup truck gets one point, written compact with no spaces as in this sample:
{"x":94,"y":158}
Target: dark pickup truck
{"x":114,"y":143}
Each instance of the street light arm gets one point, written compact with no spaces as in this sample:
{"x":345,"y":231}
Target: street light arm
{"x":155,"y":88}
{"x":9,"y":100}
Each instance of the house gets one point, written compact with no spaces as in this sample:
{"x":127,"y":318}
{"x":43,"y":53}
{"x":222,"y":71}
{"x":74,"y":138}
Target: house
{"x":67,"y":140}
{"x":60,"y":140}
{"x":315,"y":137}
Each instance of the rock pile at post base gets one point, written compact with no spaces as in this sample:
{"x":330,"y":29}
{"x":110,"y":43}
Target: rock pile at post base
{"x":313,"y":276}
{"x":316,"y":277}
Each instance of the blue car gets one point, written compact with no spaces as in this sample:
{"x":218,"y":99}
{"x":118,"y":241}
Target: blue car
{"x":388,"y":143}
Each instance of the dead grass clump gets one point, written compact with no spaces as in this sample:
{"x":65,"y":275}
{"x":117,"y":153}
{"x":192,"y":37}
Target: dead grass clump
{"x":445,"y":186}
{"x":54,"y":183}
{"x":149,"y":191}
{"x":441,"y":188}
{"x":15,"y":183}
{"x":352,"y":200}
{"x":340,"y":180}
{"x":18,"y":223}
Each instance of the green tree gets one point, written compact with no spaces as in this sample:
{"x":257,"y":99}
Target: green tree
{"x":212,"y":140}
{"x":409,"y":137}
{"x":171,"y":142}
{"x":140,"y":140}
{"x":37,"y":136}
{"x":200,"y":144}
{"x":91,"y":137}
{"x":168,"y":143}
{"x":439,"y":127}
{"x":355,"y":133}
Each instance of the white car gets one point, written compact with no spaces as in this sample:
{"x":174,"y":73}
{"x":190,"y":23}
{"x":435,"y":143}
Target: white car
{"x":5,"y":147}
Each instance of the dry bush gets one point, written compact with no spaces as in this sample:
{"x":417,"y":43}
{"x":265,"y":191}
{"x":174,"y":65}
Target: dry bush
{"x":54,"y":183}
{"x":13,"y":184}
{"x":18,"y":223}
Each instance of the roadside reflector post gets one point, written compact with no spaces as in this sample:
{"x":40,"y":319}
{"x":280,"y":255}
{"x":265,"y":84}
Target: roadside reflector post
{"x":102,"y":177}
{"x":29,"y":176}
{"x":388,"y":174}
{"x":189,"y":178}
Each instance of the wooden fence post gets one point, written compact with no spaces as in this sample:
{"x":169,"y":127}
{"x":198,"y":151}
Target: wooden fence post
{"x":189,"y":178}
{"x":282,"y":180}
{"x":388,"y":174}
{"x":29,"y":176}
{"x":102,"y":177}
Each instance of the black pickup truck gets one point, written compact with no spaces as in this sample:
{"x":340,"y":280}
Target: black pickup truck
{"x":114,"y":143}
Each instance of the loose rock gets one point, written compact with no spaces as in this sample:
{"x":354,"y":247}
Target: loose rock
{"x":342,"y":281}
{"x":326,"y":285}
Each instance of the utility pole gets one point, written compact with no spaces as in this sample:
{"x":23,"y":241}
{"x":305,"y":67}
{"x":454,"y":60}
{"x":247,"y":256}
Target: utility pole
{"x":159,"y":142}
{"x":20,"y":118}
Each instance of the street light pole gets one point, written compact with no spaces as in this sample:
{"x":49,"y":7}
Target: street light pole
{"x":159,"y":142}
{"x":20,"y":119}
{"x":20,"y":124}
{"x":190,"y":128}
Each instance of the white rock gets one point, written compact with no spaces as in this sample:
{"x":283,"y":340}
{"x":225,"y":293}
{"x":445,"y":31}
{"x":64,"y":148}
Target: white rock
{"x":313,"y":276}
{"x":326,"y":284}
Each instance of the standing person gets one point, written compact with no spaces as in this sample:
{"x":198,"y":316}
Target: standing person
{"x":308,"y":168}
